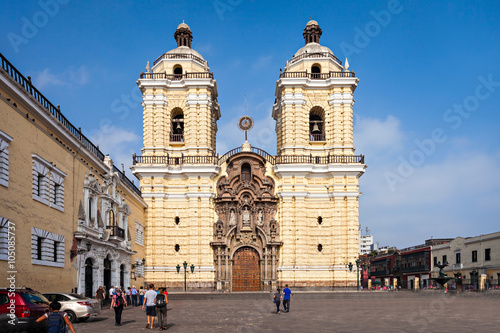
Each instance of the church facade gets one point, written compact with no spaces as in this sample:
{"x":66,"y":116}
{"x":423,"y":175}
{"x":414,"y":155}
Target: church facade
{"x":249,"y":220}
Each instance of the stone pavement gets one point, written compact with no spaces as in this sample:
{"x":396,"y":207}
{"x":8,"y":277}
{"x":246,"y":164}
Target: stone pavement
{"x":316,"y":312}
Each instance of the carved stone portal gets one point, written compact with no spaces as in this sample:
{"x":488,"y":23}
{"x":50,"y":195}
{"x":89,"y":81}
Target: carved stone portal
{"x":246,"y":207}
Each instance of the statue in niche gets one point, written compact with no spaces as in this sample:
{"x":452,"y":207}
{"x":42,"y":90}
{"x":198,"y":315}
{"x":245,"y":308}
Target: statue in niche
{"x":232,"y":218}
{"x":259,"y":218}
{"x":246,"y":217}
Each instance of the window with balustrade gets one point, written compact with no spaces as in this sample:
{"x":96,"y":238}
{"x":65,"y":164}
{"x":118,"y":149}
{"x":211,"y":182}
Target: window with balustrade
{"x":317,"y":124}
{"x":177,"y":126}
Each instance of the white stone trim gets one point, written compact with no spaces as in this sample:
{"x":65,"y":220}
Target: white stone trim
{"x":48,"y":241}
{"x":5,"y":140}
{"x":174,"y":269}
{"x":313,"y":268}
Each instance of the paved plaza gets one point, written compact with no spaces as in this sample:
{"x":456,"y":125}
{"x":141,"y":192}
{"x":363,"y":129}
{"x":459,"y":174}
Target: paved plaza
{"x":317,"y":312}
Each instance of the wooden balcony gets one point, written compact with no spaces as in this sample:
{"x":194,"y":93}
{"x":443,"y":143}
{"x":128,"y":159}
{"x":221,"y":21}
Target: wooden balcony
{"x":117,"y":234}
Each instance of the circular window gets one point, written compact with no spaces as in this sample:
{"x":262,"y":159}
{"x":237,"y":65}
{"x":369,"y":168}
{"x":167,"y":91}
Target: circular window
{"x":320,"y":247}
{"x":177,"y":247}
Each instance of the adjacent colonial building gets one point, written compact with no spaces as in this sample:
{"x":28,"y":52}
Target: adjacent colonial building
{"x":75,"y":220}
{"x":474,"y":261}
{"x":249,"y":220}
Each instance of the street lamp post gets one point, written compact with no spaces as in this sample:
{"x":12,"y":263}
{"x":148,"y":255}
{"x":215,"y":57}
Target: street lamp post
{"x":357,"y":266}
{"x":185,"y":265}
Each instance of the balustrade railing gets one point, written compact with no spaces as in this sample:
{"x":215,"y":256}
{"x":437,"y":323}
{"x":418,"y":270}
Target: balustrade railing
{"x":315,"y":55}
{"x":177,"y":137}
{"x":177,"y":77}
{"x":316,"y":137}
{"x":280,"y":159}
{"x":180,"y":56}
{"x":316,"y":76}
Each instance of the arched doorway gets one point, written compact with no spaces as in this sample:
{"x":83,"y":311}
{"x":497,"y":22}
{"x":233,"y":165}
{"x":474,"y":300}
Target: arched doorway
{"x":122,"y":276}
{"x":89,"y":281}
{"x":107,"y":275}
{"x":246,"y":270}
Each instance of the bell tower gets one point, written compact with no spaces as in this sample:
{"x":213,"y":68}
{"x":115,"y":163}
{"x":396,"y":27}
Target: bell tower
{"x":180,"y":102}
{"x":178,"y":164}
{"x":316,"y":167}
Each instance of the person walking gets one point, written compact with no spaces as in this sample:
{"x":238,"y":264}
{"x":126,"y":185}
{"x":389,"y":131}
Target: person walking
{"x":161,"y":306}
{"x":129,"y":297}
{"x":277,"y":300}
{"x":99,"y":295}
{"x":286,"y":298}
{"x":149,"y":302}
{"x":141,"y":295}
{"x":134,"y":294}
{"x":56,"y":320}
{"x":117,"y":303}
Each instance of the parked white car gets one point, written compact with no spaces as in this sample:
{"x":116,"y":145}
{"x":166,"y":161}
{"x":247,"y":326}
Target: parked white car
{"x":75,"y":305}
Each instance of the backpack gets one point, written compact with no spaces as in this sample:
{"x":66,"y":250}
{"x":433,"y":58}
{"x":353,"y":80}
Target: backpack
{"x":160,"y":301}
{"x":55,"y":323}
{"x":118,"y":300}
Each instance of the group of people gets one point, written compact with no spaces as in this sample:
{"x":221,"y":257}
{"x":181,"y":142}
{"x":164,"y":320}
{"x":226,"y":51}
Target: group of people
{"x":285,"y":296}
{"x":133,"y":296}
{"x":152,"y":301}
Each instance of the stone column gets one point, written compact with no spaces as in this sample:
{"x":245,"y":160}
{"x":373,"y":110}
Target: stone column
{"x":219,"y":282}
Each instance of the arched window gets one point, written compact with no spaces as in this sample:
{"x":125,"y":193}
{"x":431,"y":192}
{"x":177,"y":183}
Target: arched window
{"x":320,"y":220}
{"x":177,"y":70}
{"x":177,"y":220}
{"x":316,"y":124}
{"x":91,"y":204}
{"x":316,"y":71}
{"x":177,"y":125}
{"x":112,"y":219}
{"x":320,"y":247}
{"x":246,"y":172}
{"x":177,"y":248}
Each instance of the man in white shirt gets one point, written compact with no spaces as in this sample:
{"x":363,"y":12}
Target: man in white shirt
{"x":149,"y":302}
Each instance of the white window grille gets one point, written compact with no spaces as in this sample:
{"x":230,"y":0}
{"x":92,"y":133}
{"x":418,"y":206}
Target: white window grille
{"x":47,"y":248}
{"x":139,"y":233}
{"x":4,"y":238}
{"x":48,"y":183}
{"x":5,"y":140}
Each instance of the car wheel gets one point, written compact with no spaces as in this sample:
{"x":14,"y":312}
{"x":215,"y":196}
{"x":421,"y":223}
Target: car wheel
{"x":83,"y":319}
{"x":71,"y":316}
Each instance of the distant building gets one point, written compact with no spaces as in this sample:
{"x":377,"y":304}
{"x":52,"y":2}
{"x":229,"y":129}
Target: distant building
{"x":474,"y":261}
{"x":365,"y":242}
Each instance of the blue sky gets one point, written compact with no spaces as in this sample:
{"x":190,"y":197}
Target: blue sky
{"x":427,"y":104}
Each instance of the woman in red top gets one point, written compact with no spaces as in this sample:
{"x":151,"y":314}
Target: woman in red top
{"x":118,"y":303}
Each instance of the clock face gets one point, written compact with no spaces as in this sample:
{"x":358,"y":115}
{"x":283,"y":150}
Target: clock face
{"x":245,"y":123}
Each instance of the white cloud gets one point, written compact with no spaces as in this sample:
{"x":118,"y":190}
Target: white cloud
{"x":69,"y":77}
{"x":119,"y":143}
{"x":378,"y":136}
{"x":455,"y":192}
